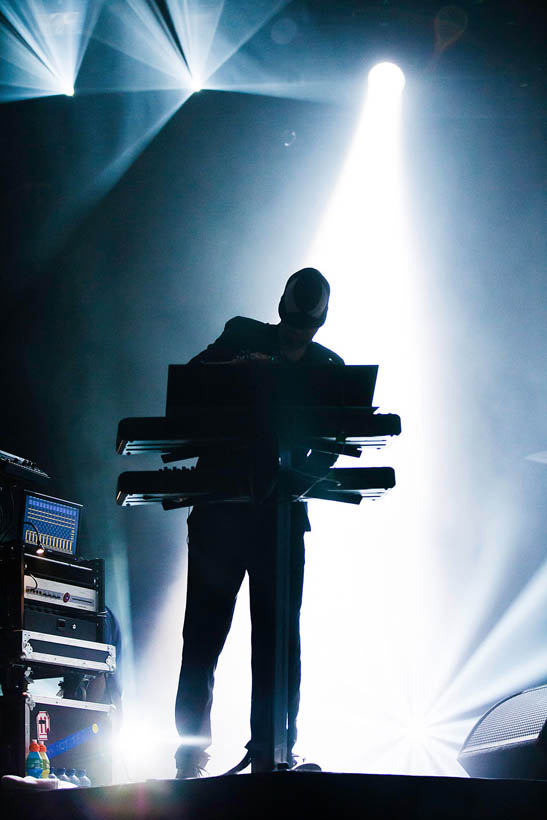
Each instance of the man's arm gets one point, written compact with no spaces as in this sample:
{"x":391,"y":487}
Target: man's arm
{"x":223,"y":349}
{"x":241,"y":340}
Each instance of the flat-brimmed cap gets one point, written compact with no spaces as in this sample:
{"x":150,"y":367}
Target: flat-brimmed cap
{"x":305,"y":300}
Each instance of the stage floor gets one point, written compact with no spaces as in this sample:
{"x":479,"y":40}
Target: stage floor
{"x":289,"y":795}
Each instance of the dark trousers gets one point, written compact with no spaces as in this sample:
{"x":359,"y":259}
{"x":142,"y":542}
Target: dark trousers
{"x":224,"y":542}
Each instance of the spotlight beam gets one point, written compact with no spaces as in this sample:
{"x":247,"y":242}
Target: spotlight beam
{"x":210,"y":37}
{"x":173,"y":29}
{"x":139,"y":31}
{"x":56,"y":42}
{"x":238,"y":42}
{"x":116,"y":168}
{"x":23,"y":70}
{"x":364,"y":247}
{"x":469,"y":688}
{"x":194,"y":31}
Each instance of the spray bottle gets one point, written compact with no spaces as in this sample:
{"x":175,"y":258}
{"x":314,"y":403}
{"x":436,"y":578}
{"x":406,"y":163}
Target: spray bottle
{"x":34,"y":766}
{"x":45,"y":760}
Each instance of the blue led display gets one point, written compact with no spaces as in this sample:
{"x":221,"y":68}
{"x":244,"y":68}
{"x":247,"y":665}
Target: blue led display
{"x":51,"y":523}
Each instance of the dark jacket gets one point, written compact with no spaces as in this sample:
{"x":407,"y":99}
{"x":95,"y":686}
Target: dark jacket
{"x":242,"y":336}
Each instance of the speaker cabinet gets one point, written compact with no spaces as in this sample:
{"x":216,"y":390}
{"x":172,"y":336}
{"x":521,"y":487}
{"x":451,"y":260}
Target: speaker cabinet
{"x":510,"y":740}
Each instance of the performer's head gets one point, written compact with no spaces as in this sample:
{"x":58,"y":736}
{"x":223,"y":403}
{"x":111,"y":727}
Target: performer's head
{"x":304,"y":304}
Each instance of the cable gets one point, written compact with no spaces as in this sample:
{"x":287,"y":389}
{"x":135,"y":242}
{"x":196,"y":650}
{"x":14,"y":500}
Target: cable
{"x":243,"y":763}
{"x":37,"y":535}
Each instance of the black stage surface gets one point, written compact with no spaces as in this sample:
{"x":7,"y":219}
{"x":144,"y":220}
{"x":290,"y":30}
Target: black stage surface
{"x":290,"y":795}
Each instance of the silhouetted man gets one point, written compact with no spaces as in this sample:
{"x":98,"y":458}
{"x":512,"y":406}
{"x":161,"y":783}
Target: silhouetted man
{"x":227,"y":540}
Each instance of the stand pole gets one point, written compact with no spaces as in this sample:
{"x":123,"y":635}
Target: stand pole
{"x":280,"y":699}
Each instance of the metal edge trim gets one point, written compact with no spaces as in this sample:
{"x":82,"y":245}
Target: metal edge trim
{"x":60,"y":639}
{"x":62,"y":660}
{"x":51,"y":700}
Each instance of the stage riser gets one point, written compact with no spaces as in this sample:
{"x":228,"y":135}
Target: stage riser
{"x":305,"y":796}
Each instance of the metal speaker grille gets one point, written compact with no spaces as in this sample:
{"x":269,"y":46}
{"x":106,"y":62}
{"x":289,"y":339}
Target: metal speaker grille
{"x":512,"y":720}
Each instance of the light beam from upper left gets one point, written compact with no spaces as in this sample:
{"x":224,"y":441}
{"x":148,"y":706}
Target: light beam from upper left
{"x":43,"y":46}
{"x":145,"y":55}
{"x":212,"y":33}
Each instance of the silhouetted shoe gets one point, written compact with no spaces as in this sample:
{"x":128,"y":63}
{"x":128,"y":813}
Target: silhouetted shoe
{"x":307,"y":767}
{"x":300,"y":764}
{"x":190,"y":763}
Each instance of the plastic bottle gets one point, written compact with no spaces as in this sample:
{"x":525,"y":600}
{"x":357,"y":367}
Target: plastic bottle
{"x":71,"y":774}
{"x":46,"y":768}
{"x":33,"y":766}
{"x":85,"y":782}
{"x":61,"y":774}
{"x":52,"y":775}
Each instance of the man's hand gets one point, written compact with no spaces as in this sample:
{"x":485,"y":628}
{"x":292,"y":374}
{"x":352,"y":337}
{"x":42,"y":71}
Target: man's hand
{"x":250,"y":357}
{"x":260,"y":357}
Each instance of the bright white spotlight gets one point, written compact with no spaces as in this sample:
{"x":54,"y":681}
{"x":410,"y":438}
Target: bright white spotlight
{"x":130,"y":765}
{"x":386,"y":77}
{"x":68,"y":90}
{"x":365,"y":244}
{"x":417,"y":732}
{"x":195,"y":84}
{"x":44,"y":47}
